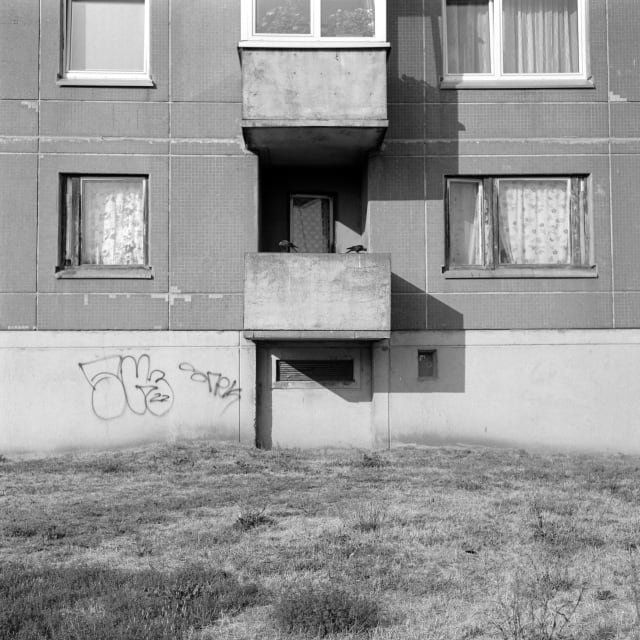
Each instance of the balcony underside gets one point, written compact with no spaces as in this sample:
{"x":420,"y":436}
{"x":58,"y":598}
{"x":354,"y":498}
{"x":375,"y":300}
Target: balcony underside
{"x":318,"y":143}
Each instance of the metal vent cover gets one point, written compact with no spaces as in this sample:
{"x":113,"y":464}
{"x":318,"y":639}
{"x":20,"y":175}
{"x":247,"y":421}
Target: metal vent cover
{"x":314,"y":371}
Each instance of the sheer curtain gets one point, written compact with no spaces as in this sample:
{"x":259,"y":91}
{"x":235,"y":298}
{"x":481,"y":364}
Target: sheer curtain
{"x":112,"y":223}
{"x":534,"y":220}
{"x":540,"y":36}
{"x":465,"y":237}
{"x":468,"y":36}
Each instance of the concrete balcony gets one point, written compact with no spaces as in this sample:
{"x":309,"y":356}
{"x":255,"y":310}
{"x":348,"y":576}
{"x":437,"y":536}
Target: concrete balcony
{"x":330,"y":102}
{"x":317,"y":296}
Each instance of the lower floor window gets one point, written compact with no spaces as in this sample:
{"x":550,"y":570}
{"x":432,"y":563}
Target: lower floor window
{"x":104,"y":221}
{"x":513,"y":222}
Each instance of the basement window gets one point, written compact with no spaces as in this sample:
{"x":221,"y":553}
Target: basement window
{"x":512,"y":227}
{"x":314,"y":21}
{"x":106,"y":42}
{"x":103,"y":230}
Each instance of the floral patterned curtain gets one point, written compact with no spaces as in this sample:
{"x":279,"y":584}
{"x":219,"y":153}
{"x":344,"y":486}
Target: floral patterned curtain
{"x":540,"y":36}
{"x":534,"y":219}
{"x":112,"y":222}
{"x":311,"y":224}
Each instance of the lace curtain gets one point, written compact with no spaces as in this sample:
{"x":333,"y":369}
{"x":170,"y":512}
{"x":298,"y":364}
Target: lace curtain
{"x":311,"y":224}
{"x":540,"y":36}
{"x":112,"y":222}
{"x":534,"y":219}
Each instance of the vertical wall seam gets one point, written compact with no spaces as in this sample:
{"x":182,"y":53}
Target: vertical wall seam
{"x":39,"y":116}
{"x":424,"y":149}
{"x":169,"y":161}
{"x":610,"y":159}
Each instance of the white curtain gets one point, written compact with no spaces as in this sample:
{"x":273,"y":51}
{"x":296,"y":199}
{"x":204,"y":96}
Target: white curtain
{"x":468,"y":36}
{"x":112,"y":222}
{"x":465,"y":216}
{"x":534,"y":219}
{"x":540,"y":36}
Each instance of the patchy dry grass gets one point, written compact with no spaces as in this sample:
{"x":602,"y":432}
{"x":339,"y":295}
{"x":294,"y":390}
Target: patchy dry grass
{"x":195,"y":541}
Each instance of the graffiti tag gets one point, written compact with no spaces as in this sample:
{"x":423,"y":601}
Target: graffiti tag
{"x":218,"y":385}
{"x":125,"y":382}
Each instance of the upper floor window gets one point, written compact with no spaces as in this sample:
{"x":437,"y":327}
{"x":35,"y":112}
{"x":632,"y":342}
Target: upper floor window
{"x":520,"y":43}
{"x":314,"y":20}
{"x":106,"y":42}
{"x":518,"y":226}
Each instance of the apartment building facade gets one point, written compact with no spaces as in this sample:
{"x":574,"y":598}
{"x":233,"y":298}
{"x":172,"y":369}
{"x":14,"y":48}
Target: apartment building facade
{"x":296,"y":223}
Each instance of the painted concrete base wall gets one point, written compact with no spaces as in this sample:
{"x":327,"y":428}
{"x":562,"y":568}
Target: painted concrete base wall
{"x":574,"y":390}
{"x":68,"y":390}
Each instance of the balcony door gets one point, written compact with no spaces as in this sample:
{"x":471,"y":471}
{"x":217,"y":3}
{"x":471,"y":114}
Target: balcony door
{"x":311,"y":223}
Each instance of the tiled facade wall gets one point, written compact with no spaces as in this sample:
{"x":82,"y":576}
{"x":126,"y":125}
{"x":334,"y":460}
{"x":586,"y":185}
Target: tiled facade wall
{"x":184,"y":133}
{"x":438,"y":132}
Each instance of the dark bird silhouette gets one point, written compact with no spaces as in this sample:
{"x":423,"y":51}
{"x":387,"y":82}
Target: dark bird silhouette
{"x":357,"y":248}
{"x":287,"y":245}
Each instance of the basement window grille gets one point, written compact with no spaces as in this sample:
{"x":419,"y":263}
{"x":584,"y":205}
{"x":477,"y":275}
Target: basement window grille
{"x":314,"y":371}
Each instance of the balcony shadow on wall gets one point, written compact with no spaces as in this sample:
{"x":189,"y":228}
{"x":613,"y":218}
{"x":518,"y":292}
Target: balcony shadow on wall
{"x":415,"y":310}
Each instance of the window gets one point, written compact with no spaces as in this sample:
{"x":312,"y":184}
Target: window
{"x":518,"y":226}
{"x":311,"y":223}
{"x":104,"y":227}
{"x":314,"y":20}
{"x":515,"y":43}
{"x":106,"y":42}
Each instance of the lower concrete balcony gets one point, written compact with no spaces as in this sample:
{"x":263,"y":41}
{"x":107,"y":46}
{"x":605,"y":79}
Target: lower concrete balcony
{"x":316,"y":296}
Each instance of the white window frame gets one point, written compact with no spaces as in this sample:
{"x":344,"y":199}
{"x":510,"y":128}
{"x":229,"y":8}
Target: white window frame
{"x":69,"y":263}
{"x":313,"y":39}
{"x":488,"y":189}
{"x":106,"y":78}
{"x":498,"y":78}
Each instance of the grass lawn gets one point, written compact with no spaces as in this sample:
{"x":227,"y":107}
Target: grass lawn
{"x":200,"y":540}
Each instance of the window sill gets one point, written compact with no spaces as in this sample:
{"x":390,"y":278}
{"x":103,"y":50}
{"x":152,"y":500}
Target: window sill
{"x":517,"y":82}
{"x":105,"y":82}
{"x":105,"y":273}
{"x":521,"y":272}
{"x":313,"y":44}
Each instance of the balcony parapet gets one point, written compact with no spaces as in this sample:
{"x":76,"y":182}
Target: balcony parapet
{"x":307,"y":296}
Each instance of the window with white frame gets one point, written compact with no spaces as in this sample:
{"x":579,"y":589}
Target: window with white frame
{"x":514,"y":226}
{"x":106,"y":41}
{"x":515,"y":43}
{"x":314,"y":20}
{"x":103,"y":229}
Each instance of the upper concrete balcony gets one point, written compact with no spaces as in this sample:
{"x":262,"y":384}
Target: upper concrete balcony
{"x":296,"y":296}
{"x":325,"y":90}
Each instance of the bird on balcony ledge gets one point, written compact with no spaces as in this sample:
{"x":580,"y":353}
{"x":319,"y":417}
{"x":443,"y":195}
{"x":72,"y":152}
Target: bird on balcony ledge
{"x":287,"y":246}
{"x":357,"y":248}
